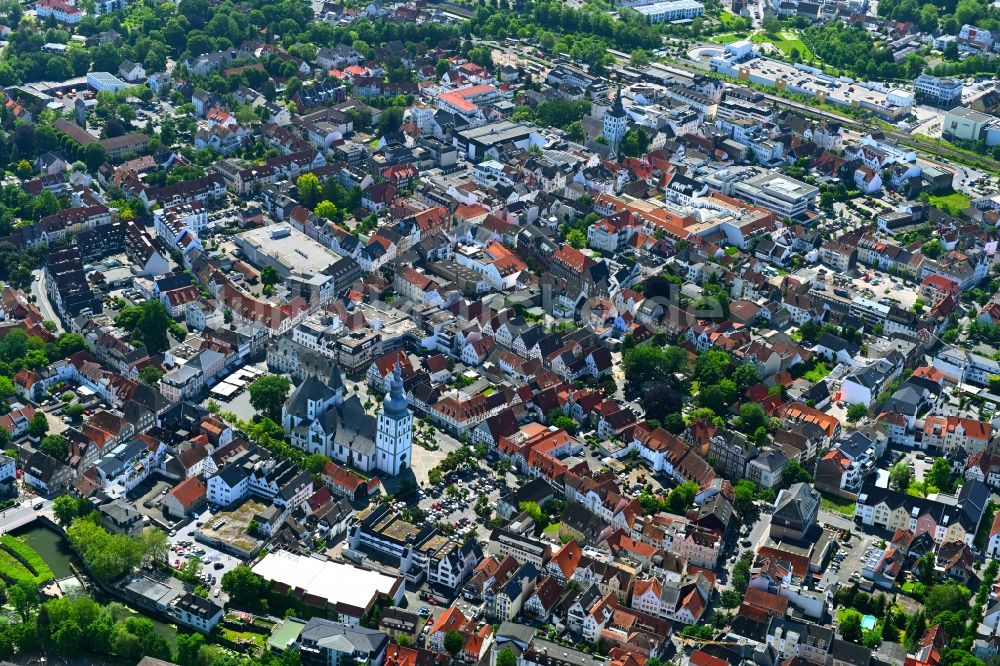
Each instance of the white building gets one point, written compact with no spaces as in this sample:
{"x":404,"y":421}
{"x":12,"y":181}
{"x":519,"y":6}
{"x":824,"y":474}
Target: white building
{"x":179,"y":225}
{"x":7,"y":468}
{"x":779,"y":193}
{"x":945,"y":93}
{"x":615,"y":123}
{"x":195,"y":612}
{"x":101,"y":81}
{"x":63,"y":12}
{"x":394,"y":433}
{"x":229,"y":486}
{"x":672,"y":10}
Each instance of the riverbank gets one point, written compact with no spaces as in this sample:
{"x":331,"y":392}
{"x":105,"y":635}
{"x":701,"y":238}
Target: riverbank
{"x":49,"y":540}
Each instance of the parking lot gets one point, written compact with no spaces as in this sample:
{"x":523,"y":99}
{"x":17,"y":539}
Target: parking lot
{"x":215,"y":563}
{"x":457,"y":509}
{"x":846,"y":561}
{"x":149,"y":498}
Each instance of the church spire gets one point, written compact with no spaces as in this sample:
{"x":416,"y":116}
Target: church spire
{"x":395,"y":401}
{"x":617,"y":109}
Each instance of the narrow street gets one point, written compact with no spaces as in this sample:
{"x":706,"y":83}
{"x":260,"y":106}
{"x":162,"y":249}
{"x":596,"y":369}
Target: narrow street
{"x":38,"y":290}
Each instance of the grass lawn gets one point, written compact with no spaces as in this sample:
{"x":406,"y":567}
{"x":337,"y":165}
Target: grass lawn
{"x":786,"y":41}
{"x":237,"y":636}
{"x":728,"y":20}
{"x":952,"y":203}
{"x":914,"y":589}
{"x":728,"y":38}
{"x":837,"y":504}
{"x":552,"y":529}
{"x":817,"y":373}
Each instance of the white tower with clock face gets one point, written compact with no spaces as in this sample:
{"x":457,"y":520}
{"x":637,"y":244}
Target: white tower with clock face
{"x":394,"y":431}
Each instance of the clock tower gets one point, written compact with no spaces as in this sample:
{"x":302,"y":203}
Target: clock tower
{"x":394,"y":430}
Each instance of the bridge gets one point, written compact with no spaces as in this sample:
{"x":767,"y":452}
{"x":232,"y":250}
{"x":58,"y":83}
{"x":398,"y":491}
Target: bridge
{"x":15,"y":518}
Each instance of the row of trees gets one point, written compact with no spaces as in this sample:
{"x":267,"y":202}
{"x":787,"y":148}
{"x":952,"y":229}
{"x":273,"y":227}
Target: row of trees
{"x":19,"y":350}
{"x":110,"y":556}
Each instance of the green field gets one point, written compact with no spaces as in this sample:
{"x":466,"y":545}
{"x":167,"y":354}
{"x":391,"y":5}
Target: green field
{"x":837,"y":504}
{"x":952,"y":204}
{"x":785,"y":41}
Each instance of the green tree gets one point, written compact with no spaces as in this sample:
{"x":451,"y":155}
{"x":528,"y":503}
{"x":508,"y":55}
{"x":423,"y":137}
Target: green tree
{"x":327,"y":209}
{"x":717,"y":397}
{"x":269,"y":276}
{"x":644,"y":363}
{"x":64,"y":508}
{"x":730,"y":599}
{"x":94,"y":156}
{"x":932,"y":248}
{"x":108,"y":556}
{"x":23,"y":596}
{"x":244,"y":587}
{"x":741,"y":572}
{"x":856,"y":412}
{"x":682,"y":497}
{"x":575,"y":131}
{"x":900,"y":475}
{"x":149,"y":322}
{"x":745,"y":376}
{"x":850,"y":625}
{"x":639,"y":59}
{"x":38,"y":425}
{"x":453,"y":642}
{"x":150,"y":375}
{"x":188,"y":648}
{"x":949,"y":596}
{"x":506,"y":657}
{"x":794,"y":472}
{"x":536,"y":513}
{"x":744,"y":494}
{"x":712,"y":366}
{"x":267,"y":395}
{"x":557,"y":418}
{"x":752,"y":417}
{"x":576,"y":238}
{"x":939,"y":475}
{"x":55,"y":446}
{"x":634,"y":143}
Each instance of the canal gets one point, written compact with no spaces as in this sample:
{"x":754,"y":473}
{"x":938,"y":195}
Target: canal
{"x":53,"y":548}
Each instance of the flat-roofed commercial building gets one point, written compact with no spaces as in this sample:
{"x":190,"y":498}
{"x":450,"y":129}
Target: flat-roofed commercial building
{"x":673,"y":10}
{"x":350,"y":591}
{"x":286,"y":248}
{"x":781,"y":194}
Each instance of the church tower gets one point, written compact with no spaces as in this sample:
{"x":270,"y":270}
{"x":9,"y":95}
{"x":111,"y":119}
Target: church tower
{"x":615,"y":123}
{"x":394,"y":431}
